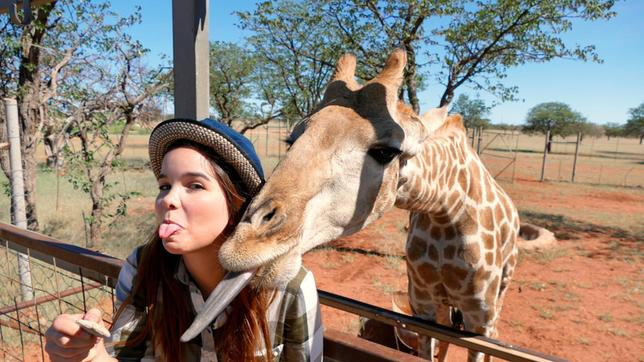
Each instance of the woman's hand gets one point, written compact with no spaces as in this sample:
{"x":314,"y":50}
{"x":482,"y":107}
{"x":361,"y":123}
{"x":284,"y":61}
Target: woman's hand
{"x":67,"y":341}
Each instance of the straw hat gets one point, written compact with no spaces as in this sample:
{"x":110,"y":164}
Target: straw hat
{"x":235,"y":150}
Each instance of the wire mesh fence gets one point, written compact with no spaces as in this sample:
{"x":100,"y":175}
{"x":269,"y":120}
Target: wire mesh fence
{"x":511,"y":155}
{"x":57,"y":286}
{"x":54,"y":291}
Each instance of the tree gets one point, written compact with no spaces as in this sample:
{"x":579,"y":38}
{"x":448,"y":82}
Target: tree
{"x":472,"y":110}
{"x":64,"y":67}
{"x":294,"y":54}
{"x":470,"y":43}
{"x":556,"y":117}
{"x":24,"y":77}
{"x":613,"y":130}
{"x":114,"y":89}
{"x":238,"y":87}
{"x":635,"y":124}
{"x":484,"y":39}
{"x":231,"y":72}
{"x":34,"y":60}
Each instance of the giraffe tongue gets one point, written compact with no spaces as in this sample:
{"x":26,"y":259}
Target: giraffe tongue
{"x":217,"y":301}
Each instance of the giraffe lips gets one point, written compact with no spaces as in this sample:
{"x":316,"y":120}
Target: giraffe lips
{"x":227,"y":289}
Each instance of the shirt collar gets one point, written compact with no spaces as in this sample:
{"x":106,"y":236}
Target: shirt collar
{"x":182,"y":274}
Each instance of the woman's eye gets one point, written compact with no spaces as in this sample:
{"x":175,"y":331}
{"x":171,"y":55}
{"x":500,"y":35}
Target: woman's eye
{"x":384,"y":155}
{"x":164,"y":187}
{"x":196,"y":186}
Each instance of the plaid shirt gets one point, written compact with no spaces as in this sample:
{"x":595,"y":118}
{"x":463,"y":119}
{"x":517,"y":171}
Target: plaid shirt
{"x":293,"y":317}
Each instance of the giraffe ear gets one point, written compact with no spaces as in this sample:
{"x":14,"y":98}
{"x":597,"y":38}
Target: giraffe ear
{"x":434,"y":118}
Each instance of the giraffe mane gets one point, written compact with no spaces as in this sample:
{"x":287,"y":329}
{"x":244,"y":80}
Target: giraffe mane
{"x":405,"y":110}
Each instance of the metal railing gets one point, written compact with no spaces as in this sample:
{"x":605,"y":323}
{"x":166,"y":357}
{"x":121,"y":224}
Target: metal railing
{"x":68,"y":278}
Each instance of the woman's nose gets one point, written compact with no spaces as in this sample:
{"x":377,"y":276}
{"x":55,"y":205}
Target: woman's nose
{"x":170,"y":200}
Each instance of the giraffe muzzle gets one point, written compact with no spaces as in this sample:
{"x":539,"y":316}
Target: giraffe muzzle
{"x":267,"y":219}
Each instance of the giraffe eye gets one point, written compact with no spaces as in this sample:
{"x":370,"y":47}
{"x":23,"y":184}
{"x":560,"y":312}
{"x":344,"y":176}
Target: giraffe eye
{"x":384,"y":155}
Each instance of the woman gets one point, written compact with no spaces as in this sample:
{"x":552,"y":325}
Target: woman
{"x":207,"y":174}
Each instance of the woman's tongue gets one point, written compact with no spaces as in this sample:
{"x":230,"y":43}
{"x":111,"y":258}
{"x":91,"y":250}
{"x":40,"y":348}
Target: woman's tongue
{"x":166,"y":230}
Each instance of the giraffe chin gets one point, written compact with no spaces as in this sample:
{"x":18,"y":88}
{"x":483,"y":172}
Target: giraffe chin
{"x":277,"y":273}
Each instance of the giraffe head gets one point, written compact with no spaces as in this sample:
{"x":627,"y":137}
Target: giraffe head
{"x":340,"y":174}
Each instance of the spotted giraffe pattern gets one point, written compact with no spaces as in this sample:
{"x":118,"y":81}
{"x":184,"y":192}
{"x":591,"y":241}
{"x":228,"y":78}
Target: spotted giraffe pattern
{"x":461,"y":247}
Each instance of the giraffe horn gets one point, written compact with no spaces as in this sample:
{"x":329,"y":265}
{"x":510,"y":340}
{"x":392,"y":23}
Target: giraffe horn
{"x":392,"y":74}
{"x":345,"y":71}
{"x":391,"y":77}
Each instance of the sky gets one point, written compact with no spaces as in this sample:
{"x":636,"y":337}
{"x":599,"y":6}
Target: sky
{"x":603,"y":93}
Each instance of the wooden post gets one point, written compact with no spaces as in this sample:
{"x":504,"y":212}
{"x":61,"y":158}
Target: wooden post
{"x":18,"y":191}
{"x":514,"y":160}
{"x":545,"y":156}
{"x":473,"y":136}
{"x":574,"y":163}
{"x":478,"y":142}
{"x":191,"y":59}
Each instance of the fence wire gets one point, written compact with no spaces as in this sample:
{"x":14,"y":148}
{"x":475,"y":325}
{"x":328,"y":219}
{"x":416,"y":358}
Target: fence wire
{"x":511,"y":155}
{"x":55,"y":291}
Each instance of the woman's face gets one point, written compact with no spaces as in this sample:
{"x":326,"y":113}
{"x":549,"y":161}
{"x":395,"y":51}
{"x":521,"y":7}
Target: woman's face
{"x":191,"y":206}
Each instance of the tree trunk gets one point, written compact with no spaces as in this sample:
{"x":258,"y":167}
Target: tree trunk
{"x":410,"y":78}
{"x":29,"y":121}
{"x":53,"y":149}
{"x":29,"y":86}
{"x":96,"y":223}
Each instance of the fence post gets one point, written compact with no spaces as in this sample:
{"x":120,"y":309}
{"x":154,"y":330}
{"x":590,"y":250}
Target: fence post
{"x":473,"y":136}
{"x":18,"y":191}
{"x":545,"y":155}
{"x":478,"y":143}
{"x":574,"y":163}
{"x":191,"y":58}
{"x":514,"y":160}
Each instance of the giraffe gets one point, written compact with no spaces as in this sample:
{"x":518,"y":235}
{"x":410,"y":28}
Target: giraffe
{"x":461,"y":246}
{"x":361,"y":152}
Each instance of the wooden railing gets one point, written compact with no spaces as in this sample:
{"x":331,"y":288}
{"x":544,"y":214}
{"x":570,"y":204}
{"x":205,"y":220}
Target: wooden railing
{"x":92,"y":275}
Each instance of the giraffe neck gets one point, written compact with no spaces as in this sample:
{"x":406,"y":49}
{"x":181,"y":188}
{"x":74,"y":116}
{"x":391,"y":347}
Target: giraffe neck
{"x":438,"y":180}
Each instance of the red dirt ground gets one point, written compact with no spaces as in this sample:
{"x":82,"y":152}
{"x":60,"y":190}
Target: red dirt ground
{"x":581,"y":300}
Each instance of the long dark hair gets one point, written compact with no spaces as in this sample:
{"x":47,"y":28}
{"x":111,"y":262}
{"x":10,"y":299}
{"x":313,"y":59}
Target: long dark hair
{"x":165,"y":322}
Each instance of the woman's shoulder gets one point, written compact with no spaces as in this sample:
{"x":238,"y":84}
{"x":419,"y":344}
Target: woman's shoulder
{"x":127,"y":274}
{"x":135,"y":256}
{"x":302,"y":282}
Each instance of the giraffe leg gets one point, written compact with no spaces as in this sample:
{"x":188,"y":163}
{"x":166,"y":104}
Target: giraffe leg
{"x":506,"y":276}
{"x":482,"y":322}
{"x":442,"y":317}
{"x":425,"y":343}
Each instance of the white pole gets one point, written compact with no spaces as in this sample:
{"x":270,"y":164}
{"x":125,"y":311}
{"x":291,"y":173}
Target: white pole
{"x":18,"y":191}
